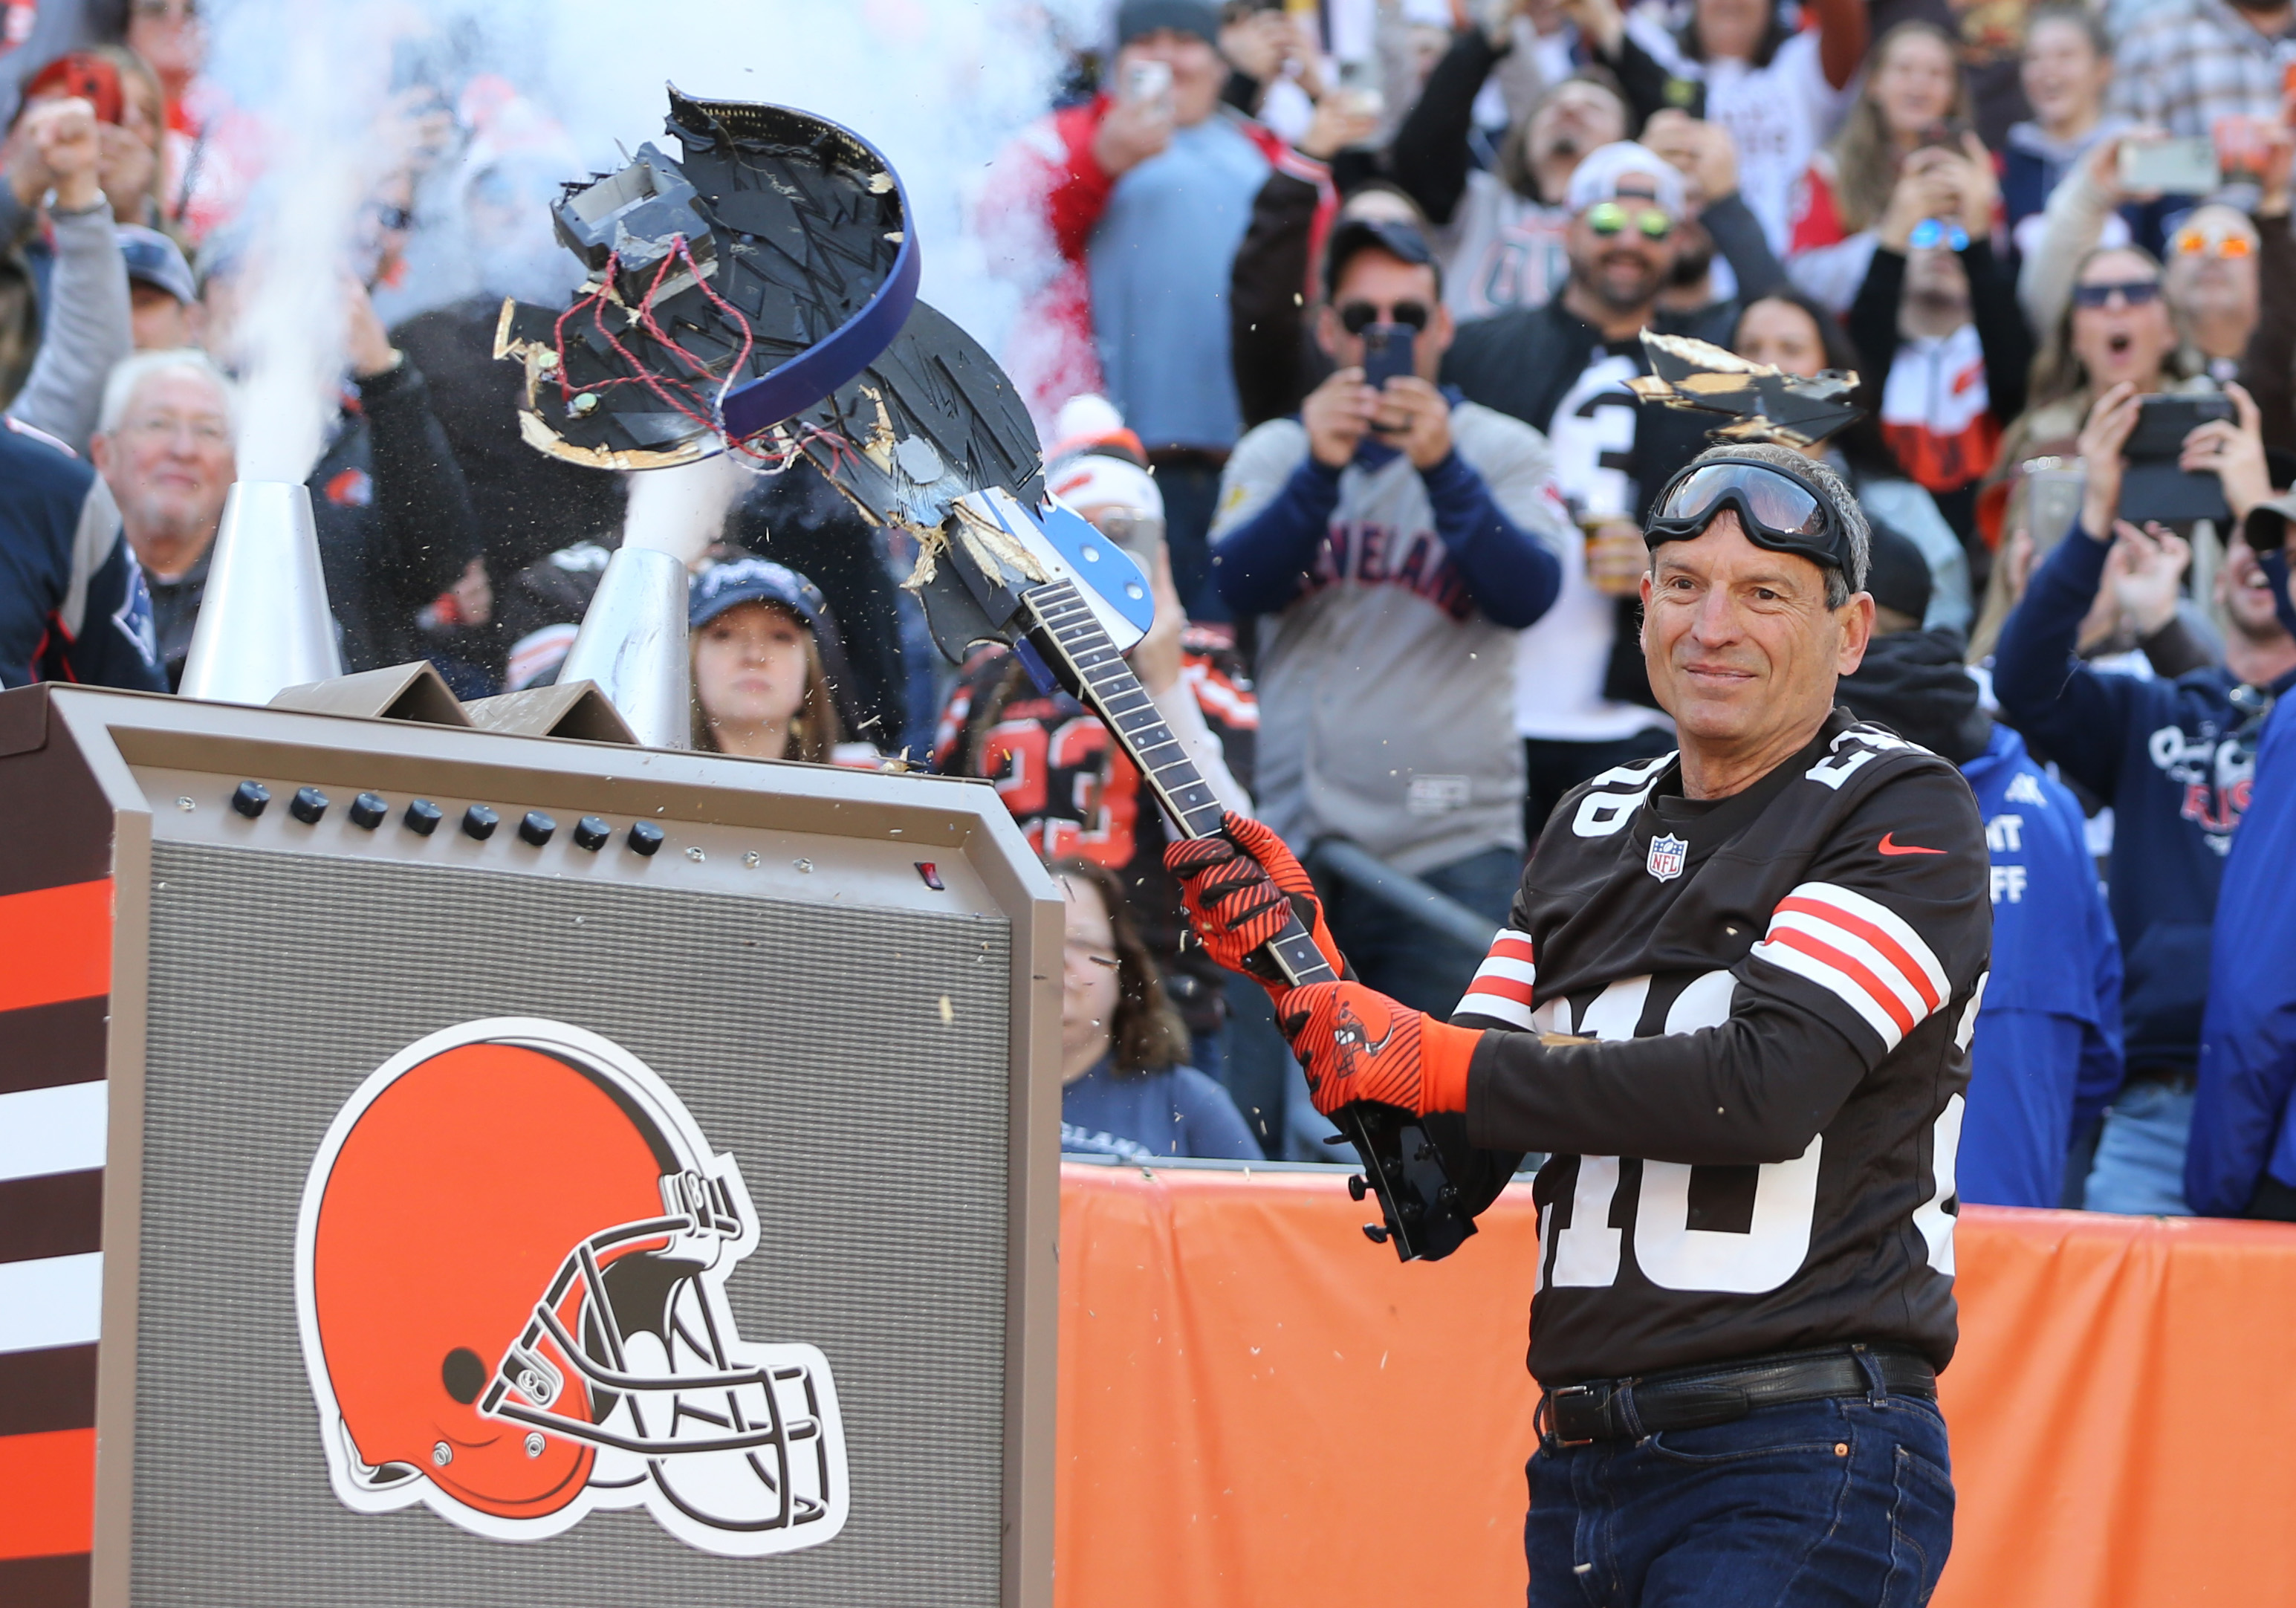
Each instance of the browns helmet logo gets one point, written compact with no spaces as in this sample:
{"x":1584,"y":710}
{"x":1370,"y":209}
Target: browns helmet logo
{"x":510,"y":1278}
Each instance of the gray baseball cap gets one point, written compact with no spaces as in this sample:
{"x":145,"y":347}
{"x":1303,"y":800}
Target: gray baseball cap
{"x":155,"y":259}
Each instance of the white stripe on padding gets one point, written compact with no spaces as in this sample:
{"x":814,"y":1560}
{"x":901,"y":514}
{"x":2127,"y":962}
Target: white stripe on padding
{"x":55,"y":1300}
{"x":58,"y":1129}
{"x":1852,"y":993}
{"x":1498,"y":1007}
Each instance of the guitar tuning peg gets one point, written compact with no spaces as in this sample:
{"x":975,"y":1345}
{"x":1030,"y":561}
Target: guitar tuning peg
{"x":1375,"y":1233}
{"x":1357,"y":1186}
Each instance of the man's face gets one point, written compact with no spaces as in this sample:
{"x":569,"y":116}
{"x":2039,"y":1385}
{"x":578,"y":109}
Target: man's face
{"x":1625,"y":268}
{"x":2244,"y":593}
{"x":1573,"y":121}
{"x":160,"y":323}
{"x":1738,"y":640}
{"x":2212,"y":264}
{"x":1380,"y":285}
{"x":1198,"y":71}
{"x":169,"y":461}
{"x":1934,"y":275}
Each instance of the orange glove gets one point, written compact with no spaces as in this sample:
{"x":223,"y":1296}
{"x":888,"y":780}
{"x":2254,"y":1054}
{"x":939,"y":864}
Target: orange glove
{"x":1239,"y":886}
{"x":1358,"y":1044}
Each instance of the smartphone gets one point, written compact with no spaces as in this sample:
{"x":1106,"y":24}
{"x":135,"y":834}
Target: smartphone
{"x":2053,"y":500}
{"x":2162,"y":424}
{"x":2171,"y":167}
{"x":1148,"y":81}
{"x":1945,"y":133}
{"x":2153,"y":487}
{"x":1389,"y":350}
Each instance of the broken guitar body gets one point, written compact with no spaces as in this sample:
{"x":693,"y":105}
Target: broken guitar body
{"x":756,"y":294}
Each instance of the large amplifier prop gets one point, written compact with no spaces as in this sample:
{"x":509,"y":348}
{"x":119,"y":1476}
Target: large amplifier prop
{"x":443,"y":1166}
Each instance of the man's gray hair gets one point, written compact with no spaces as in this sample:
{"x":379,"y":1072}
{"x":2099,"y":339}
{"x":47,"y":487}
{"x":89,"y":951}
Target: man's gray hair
{"x":130,"y":373}
{"x":1839,"y":588}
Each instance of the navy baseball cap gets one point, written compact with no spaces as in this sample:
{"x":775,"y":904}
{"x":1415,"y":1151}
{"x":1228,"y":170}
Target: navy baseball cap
{"x":722,"y":587}
{"x":155,"y":259}
{"x":1356,"y":235}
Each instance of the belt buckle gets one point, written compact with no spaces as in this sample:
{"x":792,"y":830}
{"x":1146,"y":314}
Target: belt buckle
{"x":1581,"y":1413}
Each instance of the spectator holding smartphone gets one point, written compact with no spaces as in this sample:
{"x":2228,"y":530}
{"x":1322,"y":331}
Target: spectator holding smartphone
{"x":1145,"y":191}
{"x":1913,"y":112}
{"x":2173,"y":758}
{"x":1937,"y":319}
{"x":1396,"y":539}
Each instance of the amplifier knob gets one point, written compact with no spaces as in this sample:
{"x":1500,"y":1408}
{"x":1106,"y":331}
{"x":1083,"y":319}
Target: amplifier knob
{"x":422,"y":817}
{"x":308,"y":805}
{"x":368,"y":809}
{"x":479,"y":822}
{"x":590,"y":833}
{"x":537,"y":828}
{"x":645,"y":837}
{"x":249,"y":798}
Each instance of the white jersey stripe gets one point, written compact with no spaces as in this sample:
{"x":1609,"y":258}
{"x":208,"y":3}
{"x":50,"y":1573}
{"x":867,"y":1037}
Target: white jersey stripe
{"x":1498,"y":1007}
{"x":1885,"y":971}
{"x":1896,"y":927}
{"x":1851,"y":992}
{"x":1513,"y":971}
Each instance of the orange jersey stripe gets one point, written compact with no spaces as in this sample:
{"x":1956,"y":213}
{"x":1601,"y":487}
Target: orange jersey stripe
{"x":55,"y":944}
{"x":47,"y":1493}
{"x":1872,"y":934}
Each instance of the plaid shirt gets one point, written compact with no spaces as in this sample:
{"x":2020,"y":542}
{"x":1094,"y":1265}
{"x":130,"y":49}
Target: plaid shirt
{"x":2182,"y":67}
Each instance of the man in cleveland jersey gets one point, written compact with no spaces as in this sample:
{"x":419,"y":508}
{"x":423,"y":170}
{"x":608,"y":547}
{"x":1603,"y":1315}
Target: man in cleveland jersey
{"x":1735,"y":1000}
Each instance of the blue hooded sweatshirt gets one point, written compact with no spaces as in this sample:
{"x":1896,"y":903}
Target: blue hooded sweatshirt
{"x":2048,"y":1033}
{"x":2174,"y":759}
{"x":2248,"y":1040}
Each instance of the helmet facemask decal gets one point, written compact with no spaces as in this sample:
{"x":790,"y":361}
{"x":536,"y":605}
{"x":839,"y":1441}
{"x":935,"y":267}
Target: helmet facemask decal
{"x":616,"y":1376}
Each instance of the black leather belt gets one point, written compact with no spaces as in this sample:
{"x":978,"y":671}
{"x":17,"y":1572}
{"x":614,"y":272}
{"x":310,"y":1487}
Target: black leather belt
{"x":1627,"y":1410}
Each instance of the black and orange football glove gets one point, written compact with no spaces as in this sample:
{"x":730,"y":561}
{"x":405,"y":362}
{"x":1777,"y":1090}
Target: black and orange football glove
{"x":1239,"y":885}
{"x":1356,"y":1044}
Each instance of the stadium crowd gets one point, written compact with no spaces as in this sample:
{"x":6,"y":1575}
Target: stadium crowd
{"x":1328,"y":316}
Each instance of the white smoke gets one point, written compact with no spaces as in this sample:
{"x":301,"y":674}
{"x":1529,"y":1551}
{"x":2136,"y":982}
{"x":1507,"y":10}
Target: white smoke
{"x":939,"y":85}
{"x":308,"y":73}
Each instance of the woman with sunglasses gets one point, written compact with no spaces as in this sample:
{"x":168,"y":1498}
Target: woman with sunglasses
{"x":2114,"y":330}
{"x":1913,"y":111}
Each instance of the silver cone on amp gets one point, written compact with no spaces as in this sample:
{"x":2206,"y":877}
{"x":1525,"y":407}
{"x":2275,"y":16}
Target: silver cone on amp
{"x":263,"y":623}
{"x":633,"y":645}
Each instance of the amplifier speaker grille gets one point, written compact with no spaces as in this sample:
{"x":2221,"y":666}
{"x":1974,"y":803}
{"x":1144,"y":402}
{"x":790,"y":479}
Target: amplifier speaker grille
{"x":855,"y":1063}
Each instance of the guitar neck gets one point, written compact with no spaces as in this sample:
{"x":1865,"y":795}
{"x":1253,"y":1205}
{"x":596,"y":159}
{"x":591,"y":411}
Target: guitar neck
{"x":1064,"y":630}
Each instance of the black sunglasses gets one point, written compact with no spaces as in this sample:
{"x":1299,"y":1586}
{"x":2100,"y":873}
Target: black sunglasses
{"x":2134,"y":292}
{"x":1775,"y":509}
{"x":1357,"y":316}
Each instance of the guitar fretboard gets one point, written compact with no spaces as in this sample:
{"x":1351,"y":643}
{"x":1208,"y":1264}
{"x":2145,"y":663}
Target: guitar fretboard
{"x":1068,"y":636}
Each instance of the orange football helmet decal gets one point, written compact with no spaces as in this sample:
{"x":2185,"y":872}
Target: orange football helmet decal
{"x":509,"y":1270}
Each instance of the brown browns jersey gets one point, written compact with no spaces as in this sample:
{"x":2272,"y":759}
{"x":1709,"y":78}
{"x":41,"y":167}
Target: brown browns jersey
{"x":1756,"y":1155}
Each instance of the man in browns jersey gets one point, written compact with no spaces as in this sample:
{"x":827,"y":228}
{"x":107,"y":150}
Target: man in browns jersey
{"x":1734,"y":1000}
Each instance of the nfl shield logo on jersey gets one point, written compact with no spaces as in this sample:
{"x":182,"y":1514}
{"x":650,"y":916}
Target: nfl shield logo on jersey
{"x":1665,"y":861}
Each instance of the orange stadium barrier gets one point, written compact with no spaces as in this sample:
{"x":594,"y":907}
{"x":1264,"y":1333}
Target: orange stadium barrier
{"x":1258,"y":1408}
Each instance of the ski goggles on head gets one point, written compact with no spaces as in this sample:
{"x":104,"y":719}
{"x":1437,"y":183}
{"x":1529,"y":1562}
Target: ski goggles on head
{"x":1610,"y":217}
{"x":1777,"y":510}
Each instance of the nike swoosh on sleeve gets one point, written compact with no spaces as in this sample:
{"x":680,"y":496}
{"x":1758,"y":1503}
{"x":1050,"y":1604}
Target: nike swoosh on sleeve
{"x":1887,"y":847}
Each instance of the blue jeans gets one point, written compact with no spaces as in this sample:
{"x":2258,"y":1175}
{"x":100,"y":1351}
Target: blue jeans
{"x":2140,"y":1155}
{"x":1846,"y":1502}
